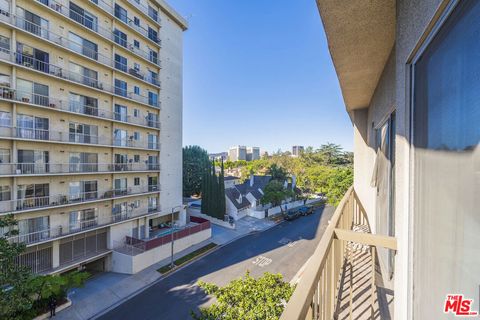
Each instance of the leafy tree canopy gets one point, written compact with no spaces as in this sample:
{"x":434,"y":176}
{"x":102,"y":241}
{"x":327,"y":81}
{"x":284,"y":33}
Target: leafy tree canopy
{"x":247,"y":298}
{"x":275,"y":193}
{"x":195,"y":161}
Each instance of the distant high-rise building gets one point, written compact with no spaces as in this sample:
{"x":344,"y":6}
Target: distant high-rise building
{"x":297,"y":150}
{"x":253,"y":153}
{"x":237,"y":153}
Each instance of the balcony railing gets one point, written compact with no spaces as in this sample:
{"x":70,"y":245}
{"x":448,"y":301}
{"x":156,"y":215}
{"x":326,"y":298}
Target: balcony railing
{"x":51,"y":69}
{"x":73,"y":168}
{"x":74,"y":106}
{"x":70,"y":137}
{"x":343,"y":263}
{"x":32,"y":203}
{"x":74,"y":227}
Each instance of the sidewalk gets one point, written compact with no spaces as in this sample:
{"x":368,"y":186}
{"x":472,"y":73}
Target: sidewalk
{"x":107,"y":289}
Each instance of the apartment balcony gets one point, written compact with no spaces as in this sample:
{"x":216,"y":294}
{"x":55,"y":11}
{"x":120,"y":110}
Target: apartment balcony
{"x":144,"y":9}
{"x":60,"y":40}
{"x":33,"y":169}
{"x":342,"y":279}
{"x":76,"y":227}
{"x":65,"y":105}
{"x":61,"y":200}
{"x":66,"y":74}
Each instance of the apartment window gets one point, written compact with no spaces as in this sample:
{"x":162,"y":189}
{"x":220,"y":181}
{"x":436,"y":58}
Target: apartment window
{"x":136,"y":158}
{"x":136,"y":204}
{"x":83,"y":46}
{"x":83,"y":133}
{"x":121,"y":13}
{"x":120,"y":37}
{"x":4,"y":44}
{"x":32,"y":92}
{"x":121,"y":186}
{"x":136,"y":90}
{"x":152,"y":162}
{"x":136,"y":181}
{"x":83,"y":162}
{"x":82,"y":190}
{"x":136,"y":67}
{"x":120,"y":137}
{"x":152,"y":120}
{"x":136,"y":113}
{"x":84,"y":75}
{"x":83,"y":17}
{"x":4,"y":155}
{"x":33,"y":161}
{"x":446,"y":137}
{"x":152,"y":203}
{"x":120,"y":63}
{"x":153,"y":13}
{"x":152,"y":141}
{"x":82,"y":104}
{"x":34,"y":229}
{"x":33,"y":23}
{"x":31,"y":127}
{"x":153,"y":77}
{"x":120,"y":87}
{"x":152,"y":99}
{"x":120,"y":113}
{"x":152,"y":184}
{"x":5,"y":194}
{"x":136,"y":136}
{"x":136,"y":21}
{"x":5,"y":119}
{"x":154,"y":56}
{"x":33,"y":195}
{"x":136,"y":44}
{"x":83,"y":219}
{"x":152,"y":34}
{"x":120,"y":211}
{"x":33,"y":58}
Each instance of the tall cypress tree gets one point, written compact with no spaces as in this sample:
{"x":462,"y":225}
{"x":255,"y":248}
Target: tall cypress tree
{"x":222,"y":204}
{"x":205,"y":188}
{"x":214,"y":194}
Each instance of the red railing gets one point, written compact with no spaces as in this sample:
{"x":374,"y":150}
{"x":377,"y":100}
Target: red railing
{"x":203,"y":224}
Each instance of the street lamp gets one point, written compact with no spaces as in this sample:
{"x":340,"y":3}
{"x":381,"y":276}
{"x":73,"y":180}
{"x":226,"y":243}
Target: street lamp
{"x":171,"y":234}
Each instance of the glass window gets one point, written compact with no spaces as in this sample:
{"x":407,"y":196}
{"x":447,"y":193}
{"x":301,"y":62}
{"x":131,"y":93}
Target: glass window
{"x":5,"y":119}
{"x":120,"y":137}
{"x":83,"y":104}
{"x":154,"y":56}
{"x":120,"y":37}
{"x":136,"y":21}
{"x":136,"y":158}
{"x":136,"y":44}
{"x":153,"y":13}
{"x":136,"y":181}
{"x":120,"y":87}
{"x":120,"y":62}
{"x":136,"y":90}
{"x":120,"y":113}
{"x":83,"y":17}
{"x":153,"y":99}
{"x":4,"y":44}
{"x":121,"y":13}
{"x":83,"y":46}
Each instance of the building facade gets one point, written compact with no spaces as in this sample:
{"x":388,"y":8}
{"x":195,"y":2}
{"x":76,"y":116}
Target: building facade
{"x":91,"y":125}
{"x":408,"y":71}
{"x":297,"y":150}
{"x":253,"y":153}
{"x":237,"y":153}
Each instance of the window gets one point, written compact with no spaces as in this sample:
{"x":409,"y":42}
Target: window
{"x":84,"y":75}
{"x":31,"y":127}
{"x":5,"y":82}
{"x":4,"y":155}
{"x":153,"y":77}
{"x":152,"y":204}
{"x":152,"y":120}
{"x":152,"y":35}
{"x":83,"y":133}
{"x":136,"y":204}
{"x":136,"y":181}
{"x":120,"y":37}
{"x":33,"y":58}
{"x":5,"y":119}
{"x":82,"y":190}
{"x":120,"y":137}
{"x":152,"y":141}
{"x":154,"y":56}
{"x":136,"y":44}
{"x":136,"y":113}
{"x":83,"y":46}
{"x":136,"y":158}
{"x":120,"y":211}
{"x":153,"y":99}
{"x":83,"y":219}
{"x":82,"y":104}
{"x":136,"y":21}
{"x":152,"y":184}
{"x":120,"y":113}
{"x":120,"y":62}
{"x":4,"y":44}
{"x":120,"y":87}
{"x":32,"y":92}
{"x":136,"y":67}
{"x":153,"y":13}
{"x":33,"y":23}
{"x":83,"y":17}
{"x":136,"y":136}
{"x":121,"y":186}
{"x":33,"y":195}
{"x":83,"y":162}
{"x":121,"y":13}
{"x":153,"y":163}
{"x":121,"y":162}
{"x":136,"y":90}
{"x":5,"y":194}
{"x":33,"y":161}
{"x":34,"y":229}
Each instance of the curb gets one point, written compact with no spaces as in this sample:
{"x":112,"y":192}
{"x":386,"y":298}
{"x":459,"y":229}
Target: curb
{"x":173,"y":271}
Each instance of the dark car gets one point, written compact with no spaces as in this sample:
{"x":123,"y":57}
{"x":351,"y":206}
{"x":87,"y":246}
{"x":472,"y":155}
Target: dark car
{"x":291,"y":215}
{"x":306,"y":210}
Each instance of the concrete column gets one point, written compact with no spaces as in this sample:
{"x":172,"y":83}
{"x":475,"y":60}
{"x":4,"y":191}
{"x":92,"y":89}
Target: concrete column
{"x":55,"y":254}
{"x":147,"y":228}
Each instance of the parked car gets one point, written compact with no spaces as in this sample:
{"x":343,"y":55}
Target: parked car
{"x":306,"y":210}
{"x":291,"y":214}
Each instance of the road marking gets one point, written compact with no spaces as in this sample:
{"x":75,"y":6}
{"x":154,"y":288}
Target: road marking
{"x":289,"y":243}
{"x":262,"y":261}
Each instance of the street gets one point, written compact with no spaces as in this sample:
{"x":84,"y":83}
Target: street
{"x":281,"y":249}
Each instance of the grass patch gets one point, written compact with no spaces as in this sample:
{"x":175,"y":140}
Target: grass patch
{"x":188,"y":257}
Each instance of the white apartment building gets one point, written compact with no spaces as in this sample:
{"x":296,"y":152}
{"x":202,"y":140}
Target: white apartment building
{"x":90,"y":126}
{"x":253,"y":153}
{"x":237,"y":153}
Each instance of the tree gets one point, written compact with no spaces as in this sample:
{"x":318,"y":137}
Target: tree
{"x":213,"y":192}
{"x":275,"y":193}
{"x":221,"y":192}
{"x":247,"y":298}
{"x":195,"y":160}
{"x":277,"y":173}
{"x":23,"y":294}
{"x":332,"y":152}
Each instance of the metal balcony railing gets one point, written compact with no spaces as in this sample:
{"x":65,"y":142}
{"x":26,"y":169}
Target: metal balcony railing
{"x":74,"y":227}
{"x":344,"y":261}
{"x":64,"y":73}
{"x":74,"y":168}
{"x":26,"y":204}
{"x":74,"y":106}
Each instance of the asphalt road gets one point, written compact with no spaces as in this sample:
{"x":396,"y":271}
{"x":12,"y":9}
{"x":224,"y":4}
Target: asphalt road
{"x":282,"y":249}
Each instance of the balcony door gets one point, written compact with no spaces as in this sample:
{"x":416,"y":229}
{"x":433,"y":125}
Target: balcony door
{"x":446,"y":163}
{"x":31,"y":127}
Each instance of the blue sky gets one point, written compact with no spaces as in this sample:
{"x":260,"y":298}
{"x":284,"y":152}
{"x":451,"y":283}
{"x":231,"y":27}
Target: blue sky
{"x":258,"y":73}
